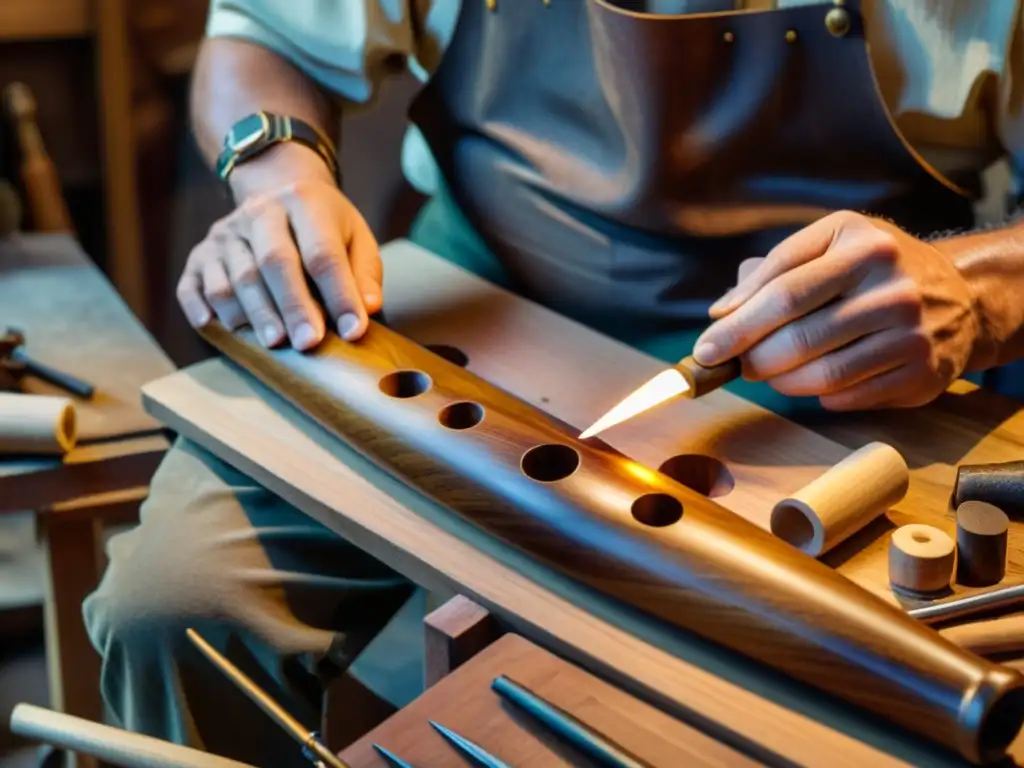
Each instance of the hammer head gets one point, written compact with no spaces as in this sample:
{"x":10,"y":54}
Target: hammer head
{"x":11,"y":369}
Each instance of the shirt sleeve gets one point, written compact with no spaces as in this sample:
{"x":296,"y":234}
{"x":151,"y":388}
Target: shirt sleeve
{"x":345,"y":45}
{"x":1011,"y":112}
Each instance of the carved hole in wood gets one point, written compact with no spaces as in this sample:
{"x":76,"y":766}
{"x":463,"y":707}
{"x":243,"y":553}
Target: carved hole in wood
{"x":657,"y":510}
{"x":461,"y":415}
{"x":704,"y":474}
{"x":405,"y":384}
{"x":450,"y":353}
{"x":921,"y":538}
{"x":551,"y":462}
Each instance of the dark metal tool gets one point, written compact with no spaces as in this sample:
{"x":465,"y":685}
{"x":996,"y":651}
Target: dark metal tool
{"x":312,"y":747}
{"x":467,"y":747}
{"x":581,"y":736}
{"x":15,"y":365}
{"x":394,"y":760}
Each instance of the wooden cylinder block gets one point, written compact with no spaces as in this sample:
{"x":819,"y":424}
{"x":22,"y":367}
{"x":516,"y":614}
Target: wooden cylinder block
{"x":992,"y":636}
{"x":584,"y":510}
{"x":37,"y":424}
{"x":921,"y":559}
{"x":981,"y":533}
{"x":843,"y":500}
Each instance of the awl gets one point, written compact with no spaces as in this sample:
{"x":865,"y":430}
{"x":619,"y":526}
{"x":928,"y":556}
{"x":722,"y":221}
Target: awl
{"x":687,"y":378}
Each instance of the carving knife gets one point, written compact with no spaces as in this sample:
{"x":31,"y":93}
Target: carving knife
{"x":687,"y":378}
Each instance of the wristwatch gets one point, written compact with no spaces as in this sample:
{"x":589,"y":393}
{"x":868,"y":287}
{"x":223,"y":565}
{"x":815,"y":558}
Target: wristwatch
{"x":258,"y":132}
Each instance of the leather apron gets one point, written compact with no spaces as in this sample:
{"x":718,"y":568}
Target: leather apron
{"x":621,"y":164}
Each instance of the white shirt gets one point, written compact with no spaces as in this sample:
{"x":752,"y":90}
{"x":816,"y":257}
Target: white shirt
{"x":951,"y":71}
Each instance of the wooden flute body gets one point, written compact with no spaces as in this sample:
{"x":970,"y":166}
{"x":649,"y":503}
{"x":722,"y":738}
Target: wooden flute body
{"x":635,"y":534}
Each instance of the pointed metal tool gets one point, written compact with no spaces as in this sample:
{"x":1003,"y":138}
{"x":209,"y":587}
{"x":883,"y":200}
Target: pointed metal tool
{"x":687,"y":378}
{"x":393,"y":760}
{"x":475,"y":751}
{"x":312,"y":747}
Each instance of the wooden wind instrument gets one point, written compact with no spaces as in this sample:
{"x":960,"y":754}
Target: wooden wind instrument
{"x":636,"y":535}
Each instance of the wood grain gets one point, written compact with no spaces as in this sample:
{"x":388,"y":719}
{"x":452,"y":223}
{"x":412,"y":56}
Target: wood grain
{"x":465,"y":702}
{"x":250,"y":427}
{"x":452,"y":634}
{"x":538,"y":355}
{"x":630,"y":533}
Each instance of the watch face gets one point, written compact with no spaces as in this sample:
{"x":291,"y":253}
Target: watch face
{"x":248,"y":131}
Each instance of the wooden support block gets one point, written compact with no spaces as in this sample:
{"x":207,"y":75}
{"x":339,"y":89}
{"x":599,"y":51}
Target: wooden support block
{"x":921,"y":559}
{"x":981,"y":533}
{"x":453,"y":634}
{"x":37,"y":424}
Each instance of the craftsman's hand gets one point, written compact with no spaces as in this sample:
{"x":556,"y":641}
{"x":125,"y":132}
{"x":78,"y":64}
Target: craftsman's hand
{"x":291,"y":222}
{"x":852,"y":310}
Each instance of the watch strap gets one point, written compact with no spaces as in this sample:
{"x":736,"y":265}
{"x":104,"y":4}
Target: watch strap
{"x":254,"y":134}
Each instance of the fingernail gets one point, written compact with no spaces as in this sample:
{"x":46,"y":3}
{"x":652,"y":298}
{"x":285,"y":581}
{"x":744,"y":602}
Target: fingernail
{"x":371,"y":298}
{"x":304,"y":336}
{"x":706,"y":353}
{"x":347,"y":325}
{"x":201,"y":318}
{"x":270,"y":335}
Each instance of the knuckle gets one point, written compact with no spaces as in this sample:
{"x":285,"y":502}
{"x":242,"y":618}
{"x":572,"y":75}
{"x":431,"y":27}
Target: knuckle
{"x":272,"y":259}
{"x":883,"y":249}
{"x":800,"y":338}
{"x":828,"y":377}
{"x":218,"y":292}
{"x":246,"y":275}
{"x":320,"y":262}
{"x":907,"y":301}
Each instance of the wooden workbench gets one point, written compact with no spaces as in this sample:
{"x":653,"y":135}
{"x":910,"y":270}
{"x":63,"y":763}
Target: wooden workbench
{"x":74,"y":321}
{"x":575,"y":374}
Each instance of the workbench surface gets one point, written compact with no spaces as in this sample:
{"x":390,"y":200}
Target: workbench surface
{"x":575,"y":374}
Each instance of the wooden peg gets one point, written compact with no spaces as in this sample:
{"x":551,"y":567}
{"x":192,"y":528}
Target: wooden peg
{"x":454,"y":633}
{"x":921,"y":559}
{"x":981,"y":532}
{"x":843,"y":500}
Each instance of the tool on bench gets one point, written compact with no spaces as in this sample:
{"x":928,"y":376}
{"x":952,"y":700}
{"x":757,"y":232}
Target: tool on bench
{"x":312,"y":747}
{"x":469,"y":748}
{"x":392,"y":759}
{"x":687,"y":378}
{"x":969,"y":605}
{"x":581,"y":736}
{"x":15,"y":365}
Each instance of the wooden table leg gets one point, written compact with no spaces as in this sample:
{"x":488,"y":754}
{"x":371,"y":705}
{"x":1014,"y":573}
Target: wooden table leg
{"x":72,"y":538}
{"x":453,"y":634}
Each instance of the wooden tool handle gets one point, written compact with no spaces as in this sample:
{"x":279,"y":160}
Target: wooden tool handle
{"x":37,"y":424}
{"x":112,"y":745}
{"x":843,"y":500}
{"x":39,"y":177}
{"x":703,"y":380}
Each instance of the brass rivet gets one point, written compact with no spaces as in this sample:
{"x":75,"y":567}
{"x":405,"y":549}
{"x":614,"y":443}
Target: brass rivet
{"x":728,"y":37}
{"x":837,"y":21}
{"x":491,"y":4}
{"x":790,"y":36}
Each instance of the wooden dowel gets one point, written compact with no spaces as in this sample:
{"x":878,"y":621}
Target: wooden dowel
{"x":1002,"y":635}
{"x":112,"y":745}
{"x":843,"y":500}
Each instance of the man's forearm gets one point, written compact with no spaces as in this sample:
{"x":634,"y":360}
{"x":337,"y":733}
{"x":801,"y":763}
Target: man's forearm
{"x":234,"y":78}
{"x":992,"y":262}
